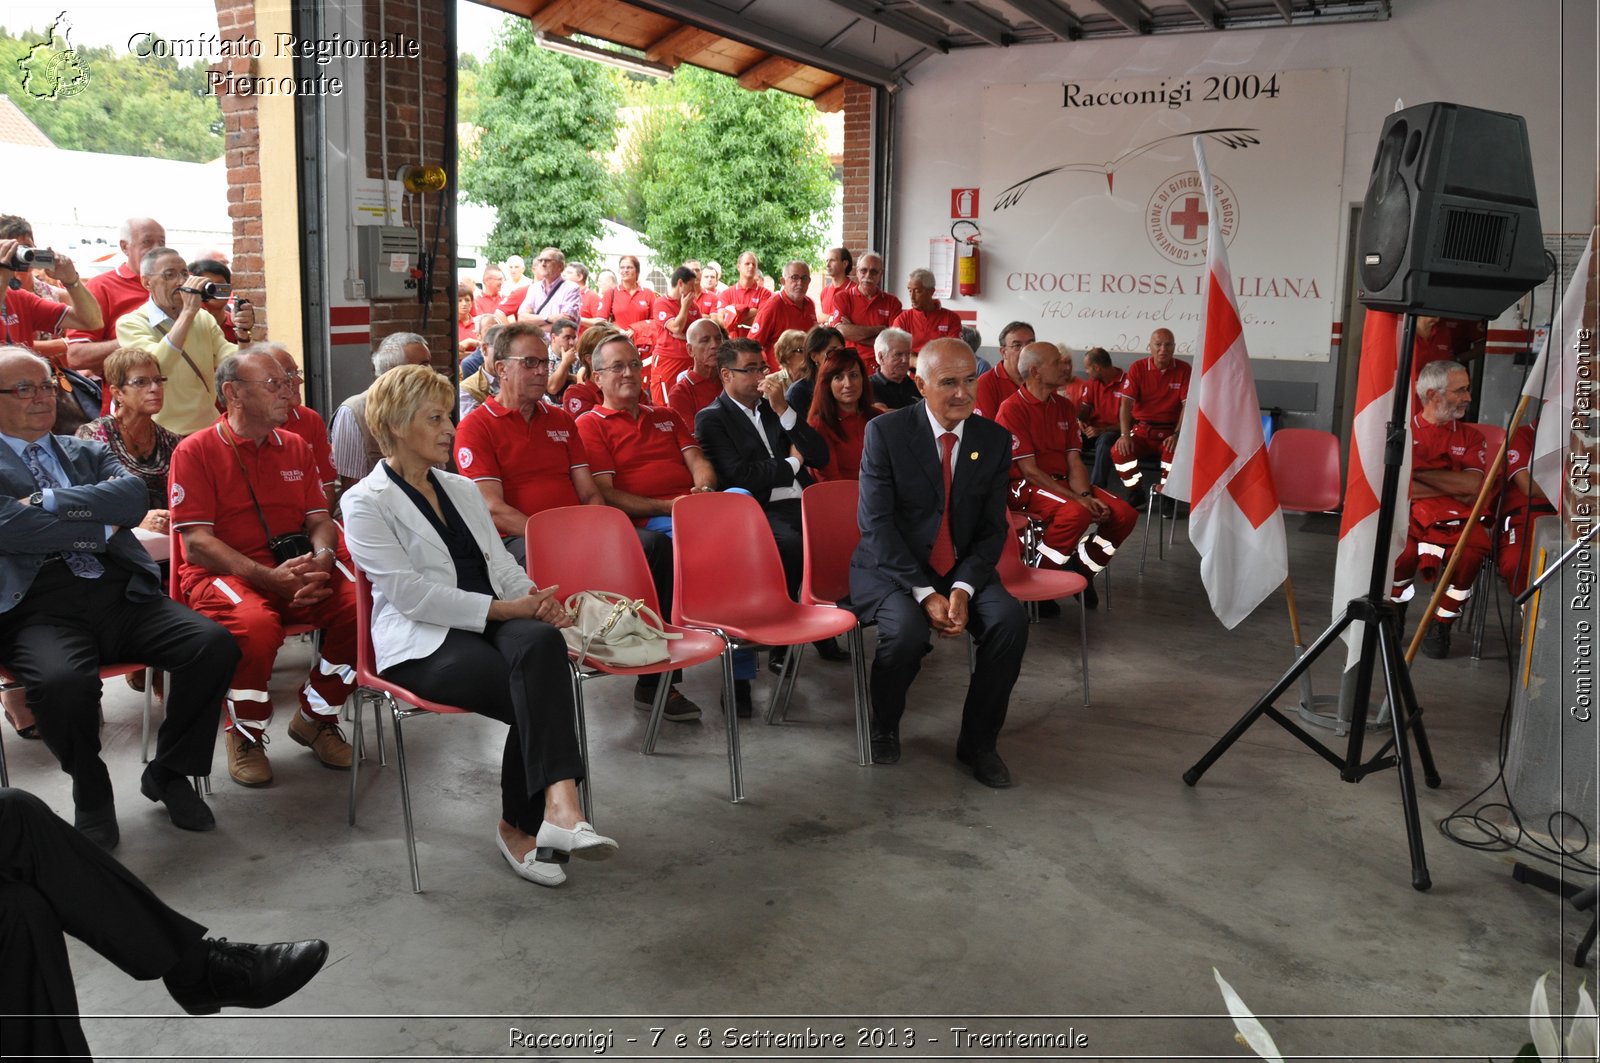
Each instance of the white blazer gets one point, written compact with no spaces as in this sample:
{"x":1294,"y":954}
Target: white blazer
{"x":415,"y":600}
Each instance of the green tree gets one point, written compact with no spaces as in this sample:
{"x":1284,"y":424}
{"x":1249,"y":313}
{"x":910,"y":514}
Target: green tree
{"x":468,"y":70}
{"x":547,"y":123}
{"x":712,"y":169}
{"x":132,"y":105}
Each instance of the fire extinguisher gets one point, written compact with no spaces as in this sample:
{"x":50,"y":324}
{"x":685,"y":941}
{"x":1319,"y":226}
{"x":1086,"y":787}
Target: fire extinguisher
{"x":969,"y":270}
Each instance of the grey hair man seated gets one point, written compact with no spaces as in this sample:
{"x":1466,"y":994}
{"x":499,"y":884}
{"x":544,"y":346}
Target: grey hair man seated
{"x":355,"y":452}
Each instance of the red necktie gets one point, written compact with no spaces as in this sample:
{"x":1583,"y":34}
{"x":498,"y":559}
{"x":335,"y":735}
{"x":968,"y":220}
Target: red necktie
{"x":943,"y":557}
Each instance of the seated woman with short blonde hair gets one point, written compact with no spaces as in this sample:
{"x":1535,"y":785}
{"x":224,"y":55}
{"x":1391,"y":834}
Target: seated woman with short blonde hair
{"x":455,"y":619}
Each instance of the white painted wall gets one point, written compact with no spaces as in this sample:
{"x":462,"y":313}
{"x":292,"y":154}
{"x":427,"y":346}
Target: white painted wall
{"x":1536,"y":58}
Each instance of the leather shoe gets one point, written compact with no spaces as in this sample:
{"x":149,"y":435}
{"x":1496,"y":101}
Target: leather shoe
{"x":582,"y":841}
{"x":828,"y":650}
{"x":99,"y":825}
{"x":247,"y":758}
{"x":1049,"y":609}
{"x":187,"y":809}
{"x":323,"y":738}
{"x":1436,"y":641}
{"x":249,"y":976}
{"x":776,"y":658}
{"x":886,"y":747}
{"x":987,"y":767}
{"x":530,"y":867}
{"x":679,"y":708}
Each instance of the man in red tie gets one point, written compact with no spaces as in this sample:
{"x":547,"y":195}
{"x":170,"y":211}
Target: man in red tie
{"x":933,"y":524}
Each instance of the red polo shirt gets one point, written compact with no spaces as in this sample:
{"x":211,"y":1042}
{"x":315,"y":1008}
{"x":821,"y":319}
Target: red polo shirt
{"x":936,"y":324}
{"x":207,"y":489}
{"x":671,"y":353}
{"x":589,"y":304}
{"x":994,"y":388}
{"x":27,"y":315}
{"x":309,"y":426}
{"x":1519,"y":452}
{"x":1102,"y":400}
{"x":484,"y":304}
{"x":117,"y":292}
{"x":1077,"y":389}
{"x":643,"y":454}
{"x":1452,"y":447}
{"x":1158,"y":394}
{"x":852,"y":305}
{"x":690,"y":393}
{"x":511,"y":301}
{"x":777,"y":316}
{"x":706,"y":302}
{"x":828,"y":298}
{"x":580,"y":397}
{"x":627,"y":309}
{"x":734,"y":300}
{"x":533,"y":459}
{"x":1042,"y":430}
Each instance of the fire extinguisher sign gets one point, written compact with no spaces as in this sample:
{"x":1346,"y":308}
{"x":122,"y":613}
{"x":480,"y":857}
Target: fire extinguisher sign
{"x":963,"y":203}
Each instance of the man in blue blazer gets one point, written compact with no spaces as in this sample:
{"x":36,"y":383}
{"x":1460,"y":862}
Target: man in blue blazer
{"x":925,"y":566}
{"x":78,"y":591}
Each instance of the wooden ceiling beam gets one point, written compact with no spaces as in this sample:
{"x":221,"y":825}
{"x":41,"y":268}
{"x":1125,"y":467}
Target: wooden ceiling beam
{"x":831,"y":99}
{"x":767,"y":72}
{"x":562,"y":17}
{"x":681,"y":45}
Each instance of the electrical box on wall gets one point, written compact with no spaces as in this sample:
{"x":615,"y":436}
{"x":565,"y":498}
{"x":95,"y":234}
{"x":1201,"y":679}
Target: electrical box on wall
{"x":388,"y":261}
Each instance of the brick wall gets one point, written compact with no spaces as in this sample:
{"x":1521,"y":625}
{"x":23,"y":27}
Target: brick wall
{"x":857,"y":166}
{"x":237,"y":18}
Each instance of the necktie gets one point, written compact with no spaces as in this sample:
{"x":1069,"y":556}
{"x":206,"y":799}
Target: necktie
{"x":86,"y":565}
{"x":943,"y":556}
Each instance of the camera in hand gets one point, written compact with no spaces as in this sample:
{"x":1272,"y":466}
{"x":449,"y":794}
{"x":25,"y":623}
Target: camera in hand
{"x":209,"y":290}
{"x":32,"y":258}
{"x":287,"y":547}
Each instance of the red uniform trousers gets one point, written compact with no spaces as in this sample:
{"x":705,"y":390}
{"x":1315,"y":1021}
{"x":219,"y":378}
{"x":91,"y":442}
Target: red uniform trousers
{"x":257,"y":622}
{"x":1516,"y":541}
{"x":1148,"y":441}
{"x":1429,"y":538}
{"x":1067,"y":525}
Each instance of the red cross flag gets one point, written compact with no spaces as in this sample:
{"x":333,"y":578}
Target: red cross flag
{"x":1221,"y":462}
{"x":1554,"y":380}
{"x":1358,"y":531}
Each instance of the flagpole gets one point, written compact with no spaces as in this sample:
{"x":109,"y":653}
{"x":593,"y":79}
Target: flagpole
{"x":1484,"y":489}
{"x":1294,"y":614}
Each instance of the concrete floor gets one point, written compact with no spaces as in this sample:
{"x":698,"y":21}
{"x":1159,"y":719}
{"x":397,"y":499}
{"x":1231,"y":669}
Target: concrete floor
{"x":1096,"y":895}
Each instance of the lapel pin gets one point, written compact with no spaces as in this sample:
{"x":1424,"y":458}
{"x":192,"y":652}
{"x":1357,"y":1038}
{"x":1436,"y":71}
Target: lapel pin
{"x":973,"y":455}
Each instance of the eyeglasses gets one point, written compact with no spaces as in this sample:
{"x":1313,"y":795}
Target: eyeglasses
{"x":1015,"y":345}
{"x":742,"y":369}
{"x":634,"y":366}
{"x":293,"y":374}
{"x":140,"y":383}
{"x":544,"y":261}
{"x":26,"y":390}
{"x":803,"y":278}
{"x":171,"y":274}
{"x":271,"y":383}
{"x":532,"y":365}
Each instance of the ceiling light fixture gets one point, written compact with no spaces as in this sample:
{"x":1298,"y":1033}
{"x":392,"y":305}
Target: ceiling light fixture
{"x":567,"y":46}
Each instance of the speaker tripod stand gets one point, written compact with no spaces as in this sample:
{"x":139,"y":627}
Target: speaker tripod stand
{"x":1380,"y":648}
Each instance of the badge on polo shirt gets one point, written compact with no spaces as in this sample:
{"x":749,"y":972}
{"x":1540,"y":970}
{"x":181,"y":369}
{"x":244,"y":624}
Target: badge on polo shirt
{"x":464,"y":457}
{"x":177,"y":495}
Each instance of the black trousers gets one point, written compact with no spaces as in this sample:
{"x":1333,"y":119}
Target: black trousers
{"x":784,"y":518}
{"x":54,"y":881}
{"x":1101,"y":472}
{"x":55,"y":640}
{"x":1000,"y":624}
{"x":515,"y":672}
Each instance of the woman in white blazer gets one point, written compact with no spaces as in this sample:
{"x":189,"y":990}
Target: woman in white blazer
{"x":457,"y":620}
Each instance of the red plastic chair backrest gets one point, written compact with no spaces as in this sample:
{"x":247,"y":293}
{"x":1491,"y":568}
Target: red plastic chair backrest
{"x":829,"y":525}
{"x":1305,"y":468}
{"x":725,"y":563}
{"x":174,"y":562}
{"x":588,"y":548}
{"x":366,"y":660}
{"x":1011,"y":564}
{"x":1494,"y":438}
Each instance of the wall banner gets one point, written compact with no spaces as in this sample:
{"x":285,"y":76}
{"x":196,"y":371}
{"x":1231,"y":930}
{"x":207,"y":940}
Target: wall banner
{"x":1095,"y":222}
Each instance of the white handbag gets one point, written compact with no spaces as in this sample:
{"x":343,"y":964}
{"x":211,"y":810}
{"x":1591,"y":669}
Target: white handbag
{"x":615,"y":630}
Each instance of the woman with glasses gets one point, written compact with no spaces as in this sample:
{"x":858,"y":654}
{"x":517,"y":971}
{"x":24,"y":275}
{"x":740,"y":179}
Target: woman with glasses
{"x":144,"y":448}
{"x":821,"y":342}
{"x":840,"y":409}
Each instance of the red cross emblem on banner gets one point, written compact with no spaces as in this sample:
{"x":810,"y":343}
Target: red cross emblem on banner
{"x":1190,"y":218}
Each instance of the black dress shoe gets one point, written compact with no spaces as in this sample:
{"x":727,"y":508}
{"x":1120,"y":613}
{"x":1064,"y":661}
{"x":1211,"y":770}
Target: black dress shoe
{"x":1436,"y":641}
{"x":238,"y":975}
{"x":987,"y":767}
{"x":886,"y":747}
{"x":99,"y":825}
{"x":828,"y":650}
{"x":742,"y":705}
{"x":776,"y":658}
{"x":1049,"y":610}
{"x":187,"y":808}
{"x":1091,"y":597}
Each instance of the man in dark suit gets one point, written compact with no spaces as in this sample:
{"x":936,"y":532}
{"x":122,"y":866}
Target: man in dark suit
{"x":923,"y":566}
{"x":78,"y":591}
{"x":756,"y":441}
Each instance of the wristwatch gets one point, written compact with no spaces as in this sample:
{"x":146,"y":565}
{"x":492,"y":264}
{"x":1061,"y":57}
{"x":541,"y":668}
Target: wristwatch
{"x":36,"y":499}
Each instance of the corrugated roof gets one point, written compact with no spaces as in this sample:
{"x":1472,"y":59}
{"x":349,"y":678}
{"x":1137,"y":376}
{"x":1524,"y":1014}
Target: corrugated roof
{"x":17,"y":128}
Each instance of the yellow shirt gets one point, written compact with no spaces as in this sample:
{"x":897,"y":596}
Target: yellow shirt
{"x":190,"y":401}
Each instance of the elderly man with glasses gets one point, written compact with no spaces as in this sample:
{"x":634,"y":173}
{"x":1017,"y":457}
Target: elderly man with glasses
{"x":260,"y":552}
{"x":1005,"y":379}
{"x":791,"y":308}
{"x":77,"y":591}
{"x":550,"y":295}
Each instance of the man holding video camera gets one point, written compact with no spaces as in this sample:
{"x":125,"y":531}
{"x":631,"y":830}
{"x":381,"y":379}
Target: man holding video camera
{"x":185,"y":339}
{"x":24,"y":315}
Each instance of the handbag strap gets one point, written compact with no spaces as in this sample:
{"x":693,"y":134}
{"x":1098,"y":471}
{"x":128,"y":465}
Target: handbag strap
{"x":166,"y":327}
{"x":227,"y":437}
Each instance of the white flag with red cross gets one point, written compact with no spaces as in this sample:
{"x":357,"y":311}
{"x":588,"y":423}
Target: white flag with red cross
{"x":1220,"y":463}
{"x":1554,"y":377}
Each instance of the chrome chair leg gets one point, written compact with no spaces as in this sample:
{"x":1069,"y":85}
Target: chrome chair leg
{"x":356,"y":751}
{"x":730,"y":717}
{"x":658,"y":709}
{"x":405,"y":795}
{"x":1083,"y":645}
{"x":858,"y":661}
{"x":5,"y":776}
{"x":778,"y":709}
{"x":149,"y":706}
{"x":585,"y":795}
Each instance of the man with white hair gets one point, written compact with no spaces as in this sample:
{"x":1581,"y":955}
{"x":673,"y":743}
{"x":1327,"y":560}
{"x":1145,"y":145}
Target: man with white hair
{"x":698,"y":386}
{"x":507,"y":310}
{"x":118,"y":292}
{"x":892,"y":385}
{"x":791,"y":308}
{"x":925,"y":318}
{"x":1448,"y":461}
{"x":355,"y":451}
{"x":863,"y":310}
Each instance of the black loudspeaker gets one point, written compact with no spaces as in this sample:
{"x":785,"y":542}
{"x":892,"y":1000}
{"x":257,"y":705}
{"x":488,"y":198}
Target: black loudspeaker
{"x":1450,"y":226}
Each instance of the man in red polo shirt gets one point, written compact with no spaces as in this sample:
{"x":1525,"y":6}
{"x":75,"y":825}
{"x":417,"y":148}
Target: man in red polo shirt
{"x":488,"y":301}
{"x":864,"y":309}
{"x":643,"y":458}
{"x":1152,"y":395}
{"x":24,"y":315}
{"x":836,"y":266}
{"x":303,"y":420}
{"x":1083,"y":525}
{"x":1099,"y":411}
{"x":1448,"y":463}
{"x":524,"y":453}
{"x":710,"y":289}
{"x":738,"y":304}
{"x":791,"y":308}
{"x":673,"y":314}
{"x":698,"y":387}
{"x":1004,"y":380}
{"x":117,"y":292}
{"x":236,"y":487}
{"x":925,"y":319}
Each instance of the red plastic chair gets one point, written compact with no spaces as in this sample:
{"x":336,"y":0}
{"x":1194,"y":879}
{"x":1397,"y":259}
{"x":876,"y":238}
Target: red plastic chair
{"x":108,"y":671}
{"x":370,"y":684}
{"x":1305,"y":469}
{"x":829,"y":525}
{"x":1044,"y":585}
{"x":611,"y":559}
{"x":715,"y":535}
